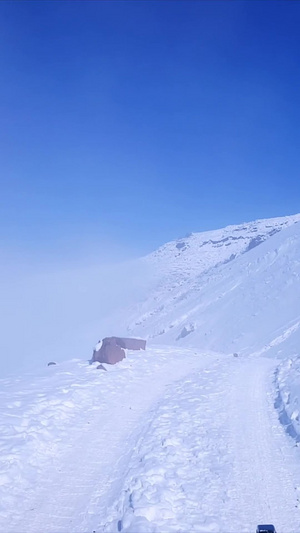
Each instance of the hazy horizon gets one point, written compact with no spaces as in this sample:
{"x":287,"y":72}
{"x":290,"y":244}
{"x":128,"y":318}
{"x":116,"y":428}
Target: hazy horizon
{"x":126,"y":125}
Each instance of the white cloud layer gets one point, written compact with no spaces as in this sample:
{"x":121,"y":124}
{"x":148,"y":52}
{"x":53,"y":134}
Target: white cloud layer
{"x":59,"y":312}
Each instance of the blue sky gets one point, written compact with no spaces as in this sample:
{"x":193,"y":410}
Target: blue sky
{"x":126,"y":124}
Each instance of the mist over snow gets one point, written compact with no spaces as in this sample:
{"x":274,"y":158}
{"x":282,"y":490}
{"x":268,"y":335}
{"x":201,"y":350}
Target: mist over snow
{"x":229,"y":290}
{"x":58,"y":311}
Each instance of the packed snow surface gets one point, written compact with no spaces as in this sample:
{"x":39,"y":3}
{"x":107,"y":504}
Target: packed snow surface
{"x":214,"y":458}
{"x":67,"y":433}
{"x":168,"y":440}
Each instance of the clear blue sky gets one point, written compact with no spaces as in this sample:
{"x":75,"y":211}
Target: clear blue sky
{"x":134,"y":122}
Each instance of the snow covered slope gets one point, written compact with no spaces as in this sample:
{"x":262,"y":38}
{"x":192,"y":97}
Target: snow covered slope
{"x":198,"y":252}
{"x":232,"y":290}
{"x":171,"y":439}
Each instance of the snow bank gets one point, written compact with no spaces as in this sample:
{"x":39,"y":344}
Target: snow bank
{"x":288,"y":397}
{"x":35,"y":415}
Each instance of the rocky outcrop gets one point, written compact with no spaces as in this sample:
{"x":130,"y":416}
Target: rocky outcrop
{"x":101,"y":367}
{"x":112,"y":349}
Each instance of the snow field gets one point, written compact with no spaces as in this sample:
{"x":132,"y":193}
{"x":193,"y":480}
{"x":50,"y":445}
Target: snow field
{"x":167,"y":441}
{"x":35,"y":416}
{"x":213,"y":458}
{"x":174,"y":475}
{"x":68,"y":433}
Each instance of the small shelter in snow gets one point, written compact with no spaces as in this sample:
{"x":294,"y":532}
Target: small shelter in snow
{"x":111,"y":349}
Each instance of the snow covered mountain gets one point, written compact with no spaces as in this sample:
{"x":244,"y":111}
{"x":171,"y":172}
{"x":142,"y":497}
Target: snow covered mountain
{"x":198,"y":252}
{"x":231,"y":290}
{"x":171,"y":439}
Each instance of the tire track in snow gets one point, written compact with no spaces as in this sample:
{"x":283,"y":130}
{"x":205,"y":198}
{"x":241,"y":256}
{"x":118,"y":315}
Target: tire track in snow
{"x":175,"y":480}
{"x":73,"y":488}
{"x":263,"y":483}
{"x":213,"y":458}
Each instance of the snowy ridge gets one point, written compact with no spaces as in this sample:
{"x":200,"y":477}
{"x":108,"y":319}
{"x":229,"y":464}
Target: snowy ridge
{"x":179,"y":264}
{"x":198,"y":252}
{"x":235,"y":306}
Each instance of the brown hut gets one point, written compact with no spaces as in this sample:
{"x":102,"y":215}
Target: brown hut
{"x":111,"y":350}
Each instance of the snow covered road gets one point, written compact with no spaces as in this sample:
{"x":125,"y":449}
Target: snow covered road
{"x":169,"y":441}
{"x":265,"y":478}
{"x":66,"y":451}
{"x":214,"y":458}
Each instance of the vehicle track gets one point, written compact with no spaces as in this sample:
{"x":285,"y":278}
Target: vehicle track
{"x":263,"y":481}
